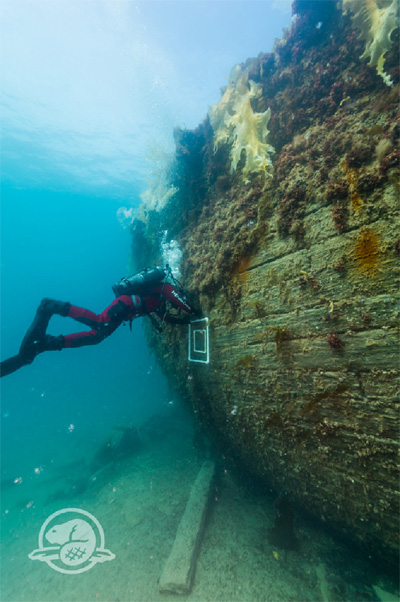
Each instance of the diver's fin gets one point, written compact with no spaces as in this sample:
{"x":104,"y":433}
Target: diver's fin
{"x":36,"y":330}
{"x":12,"y":364}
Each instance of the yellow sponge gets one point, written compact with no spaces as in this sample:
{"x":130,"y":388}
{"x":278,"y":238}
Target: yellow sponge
{"x":234,"y":121}
{"x":376,"y":26}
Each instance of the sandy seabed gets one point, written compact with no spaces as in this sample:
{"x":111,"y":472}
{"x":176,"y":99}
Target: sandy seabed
{"x":139,"y":503}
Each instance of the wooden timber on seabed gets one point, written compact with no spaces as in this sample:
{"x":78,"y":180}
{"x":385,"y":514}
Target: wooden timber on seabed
{"x":178,"y":573}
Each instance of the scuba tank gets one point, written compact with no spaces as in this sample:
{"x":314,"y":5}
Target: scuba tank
{"x":140,"y":282}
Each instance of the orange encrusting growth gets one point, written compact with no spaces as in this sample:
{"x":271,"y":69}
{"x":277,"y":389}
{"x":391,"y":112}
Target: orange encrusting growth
{"x":366,"y":251}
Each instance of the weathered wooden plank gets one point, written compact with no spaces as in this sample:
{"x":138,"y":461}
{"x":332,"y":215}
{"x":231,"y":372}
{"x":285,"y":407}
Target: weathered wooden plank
{"x":178,"y":572}
{"x":362,"y":351}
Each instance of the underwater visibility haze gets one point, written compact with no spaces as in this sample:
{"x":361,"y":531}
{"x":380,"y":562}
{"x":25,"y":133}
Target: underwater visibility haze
{"x":91,"y":93}
{"x":203,"y":477}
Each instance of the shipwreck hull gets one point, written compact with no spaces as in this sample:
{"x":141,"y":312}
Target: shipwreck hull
{"x":297,"y":269}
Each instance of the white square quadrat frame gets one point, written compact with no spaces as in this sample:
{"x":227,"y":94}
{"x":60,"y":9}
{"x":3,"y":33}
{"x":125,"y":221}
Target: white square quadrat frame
{"x":199,"y":341}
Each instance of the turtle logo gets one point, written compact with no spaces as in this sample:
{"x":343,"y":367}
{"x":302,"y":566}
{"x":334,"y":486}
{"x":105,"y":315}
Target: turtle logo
{"x":77,"y":542}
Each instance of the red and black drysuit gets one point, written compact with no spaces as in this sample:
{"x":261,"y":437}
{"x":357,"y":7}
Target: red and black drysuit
{"x":162,"y":299}
{"x":159,"y":299}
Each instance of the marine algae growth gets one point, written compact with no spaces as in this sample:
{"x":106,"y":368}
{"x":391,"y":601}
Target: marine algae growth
{"x":285,"y":207}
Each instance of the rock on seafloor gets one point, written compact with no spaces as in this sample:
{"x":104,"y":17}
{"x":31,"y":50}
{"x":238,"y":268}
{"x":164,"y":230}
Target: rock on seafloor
{"x":285,"y":205}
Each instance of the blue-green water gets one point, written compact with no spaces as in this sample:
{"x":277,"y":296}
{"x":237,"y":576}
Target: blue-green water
{"x":61,"y":246}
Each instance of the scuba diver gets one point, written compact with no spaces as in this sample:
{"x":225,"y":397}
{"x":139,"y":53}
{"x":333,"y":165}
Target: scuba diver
{"x":151,"y":292}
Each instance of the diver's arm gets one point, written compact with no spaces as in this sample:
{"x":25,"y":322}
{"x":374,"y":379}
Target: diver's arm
{"x":186,"y":319}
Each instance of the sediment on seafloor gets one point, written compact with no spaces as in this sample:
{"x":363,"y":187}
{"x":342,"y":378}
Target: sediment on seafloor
{"x":285,"y":207}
